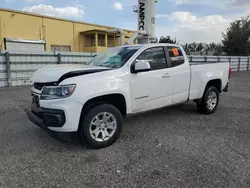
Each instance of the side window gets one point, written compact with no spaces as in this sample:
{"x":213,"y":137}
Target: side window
{"x":155,"y":56}
{"x":176,"y":56}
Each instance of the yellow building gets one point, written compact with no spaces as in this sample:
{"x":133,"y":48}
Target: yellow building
{"x":21,"y":30}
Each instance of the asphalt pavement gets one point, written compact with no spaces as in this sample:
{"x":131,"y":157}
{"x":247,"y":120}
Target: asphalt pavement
{"x":170,"y":147}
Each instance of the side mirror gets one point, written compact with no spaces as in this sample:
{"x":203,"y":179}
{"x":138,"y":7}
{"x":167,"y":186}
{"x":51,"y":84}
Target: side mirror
{"x":141,"y":66}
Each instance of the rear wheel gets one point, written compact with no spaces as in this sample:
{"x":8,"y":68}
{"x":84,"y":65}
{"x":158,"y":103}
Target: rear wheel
{"x":209,"y":102}
{"x":101,"y":126}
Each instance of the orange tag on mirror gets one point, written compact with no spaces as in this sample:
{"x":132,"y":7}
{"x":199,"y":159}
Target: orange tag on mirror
{"x":175,"y":51}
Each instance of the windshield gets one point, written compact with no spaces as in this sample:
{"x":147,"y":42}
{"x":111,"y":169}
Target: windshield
{"x":114,"y":57}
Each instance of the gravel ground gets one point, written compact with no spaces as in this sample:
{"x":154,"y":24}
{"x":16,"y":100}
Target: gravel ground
{"x":171,"y":147}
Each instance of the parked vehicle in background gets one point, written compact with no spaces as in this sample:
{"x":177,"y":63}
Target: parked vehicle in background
{"x":91,"y":100}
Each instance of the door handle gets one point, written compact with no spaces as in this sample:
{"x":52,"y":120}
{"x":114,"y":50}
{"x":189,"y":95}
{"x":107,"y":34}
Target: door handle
{"x":166,"y":75}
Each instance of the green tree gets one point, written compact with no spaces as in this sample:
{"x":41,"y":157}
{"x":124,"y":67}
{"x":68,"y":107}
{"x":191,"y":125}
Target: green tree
{"x":200,"y":47}
{"x":193,"y":46}
{"x":185,"y":47}
{"x":210,"y":46}
{"x":167,"y":40}
{"x":203,"y":48}
{"x":236,"y":38}
{"x":218,"y":50}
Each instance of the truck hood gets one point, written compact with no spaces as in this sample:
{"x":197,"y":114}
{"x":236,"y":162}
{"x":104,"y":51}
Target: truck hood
{"x":58,"y":73}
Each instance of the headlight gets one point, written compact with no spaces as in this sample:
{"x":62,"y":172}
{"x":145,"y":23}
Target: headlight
{"x":57,"y":92}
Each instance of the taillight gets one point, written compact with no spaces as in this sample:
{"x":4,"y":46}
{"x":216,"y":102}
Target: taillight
{"x":229,"y":72}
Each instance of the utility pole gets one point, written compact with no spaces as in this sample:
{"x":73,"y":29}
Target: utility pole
{"x":146,"y":21}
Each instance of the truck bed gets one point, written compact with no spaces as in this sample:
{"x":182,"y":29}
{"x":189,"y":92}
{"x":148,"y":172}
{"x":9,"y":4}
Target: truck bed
{"x":202,"y":72}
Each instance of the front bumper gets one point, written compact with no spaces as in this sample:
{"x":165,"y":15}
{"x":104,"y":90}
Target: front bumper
{"x":46,"y":117}
{"x":39,"y":116}
{"x":60,"y":118}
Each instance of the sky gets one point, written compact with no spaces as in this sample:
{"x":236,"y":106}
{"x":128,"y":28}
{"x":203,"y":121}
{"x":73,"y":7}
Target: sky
{"x":185,"y":20}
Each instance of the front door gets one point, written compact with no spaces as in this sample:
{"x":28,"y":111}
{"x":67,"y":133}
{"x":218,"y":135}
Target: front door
{"x":152,"y":89}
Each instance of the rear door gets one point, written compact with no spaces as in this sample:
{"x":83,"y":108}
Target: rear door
{"x":152,"y":89}
{"x":181,"y":73}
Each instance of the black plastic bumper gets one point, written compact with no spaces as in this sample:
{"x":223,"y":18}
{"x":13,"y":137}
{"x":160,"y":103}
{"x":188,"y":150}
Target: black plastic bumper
{"x":38,"y":116}
{"x":49,"y":117}
{"x":35,"y":119}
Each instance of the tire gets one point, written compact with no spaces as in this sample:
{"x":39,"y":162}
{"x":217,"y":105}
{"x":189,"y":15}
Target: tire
{"x":101,"y":126}
{"x":209,"y":102}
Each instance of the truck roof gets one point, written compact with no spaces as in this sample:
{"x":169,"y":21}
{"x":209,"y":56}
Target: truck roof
{"x":154,"y":44}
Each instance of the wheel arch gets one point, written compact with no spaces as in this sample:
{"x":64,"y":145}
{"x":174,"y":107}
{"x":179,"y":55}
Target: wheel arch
{"x":214,"y":82}
{"x":116,"y":99}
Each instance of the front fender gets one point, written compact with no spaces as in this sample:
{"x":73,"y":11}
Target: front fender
{"x":99,"y":84}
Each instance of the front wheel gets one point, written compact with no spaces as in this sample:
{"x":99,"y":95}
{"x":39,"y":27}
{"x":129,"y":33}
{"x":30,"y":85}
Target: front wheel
{"x":101,"y":126}
{"x":209,"y":102}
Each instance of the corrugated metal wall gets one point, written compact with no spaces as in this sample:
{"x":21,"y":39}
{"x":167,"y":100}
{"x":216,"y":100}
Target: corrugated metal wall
{"x":17,"y":68}
{"x":3,"y":72}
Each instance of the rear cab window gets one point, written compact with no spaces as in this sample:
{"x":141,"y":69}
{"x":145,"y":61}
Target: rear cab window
{"x":175,"y":55}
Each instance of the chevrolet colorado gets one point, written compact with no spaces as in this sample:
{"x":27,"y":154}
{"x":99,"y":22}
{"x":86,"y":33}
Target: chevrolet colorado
{"x":91,"y":100}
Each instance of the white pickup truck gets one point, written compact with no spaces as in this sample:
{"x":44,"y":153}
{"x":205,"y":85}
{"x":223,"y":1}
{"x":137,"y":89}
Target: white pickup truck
{"x":91,"y":100}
